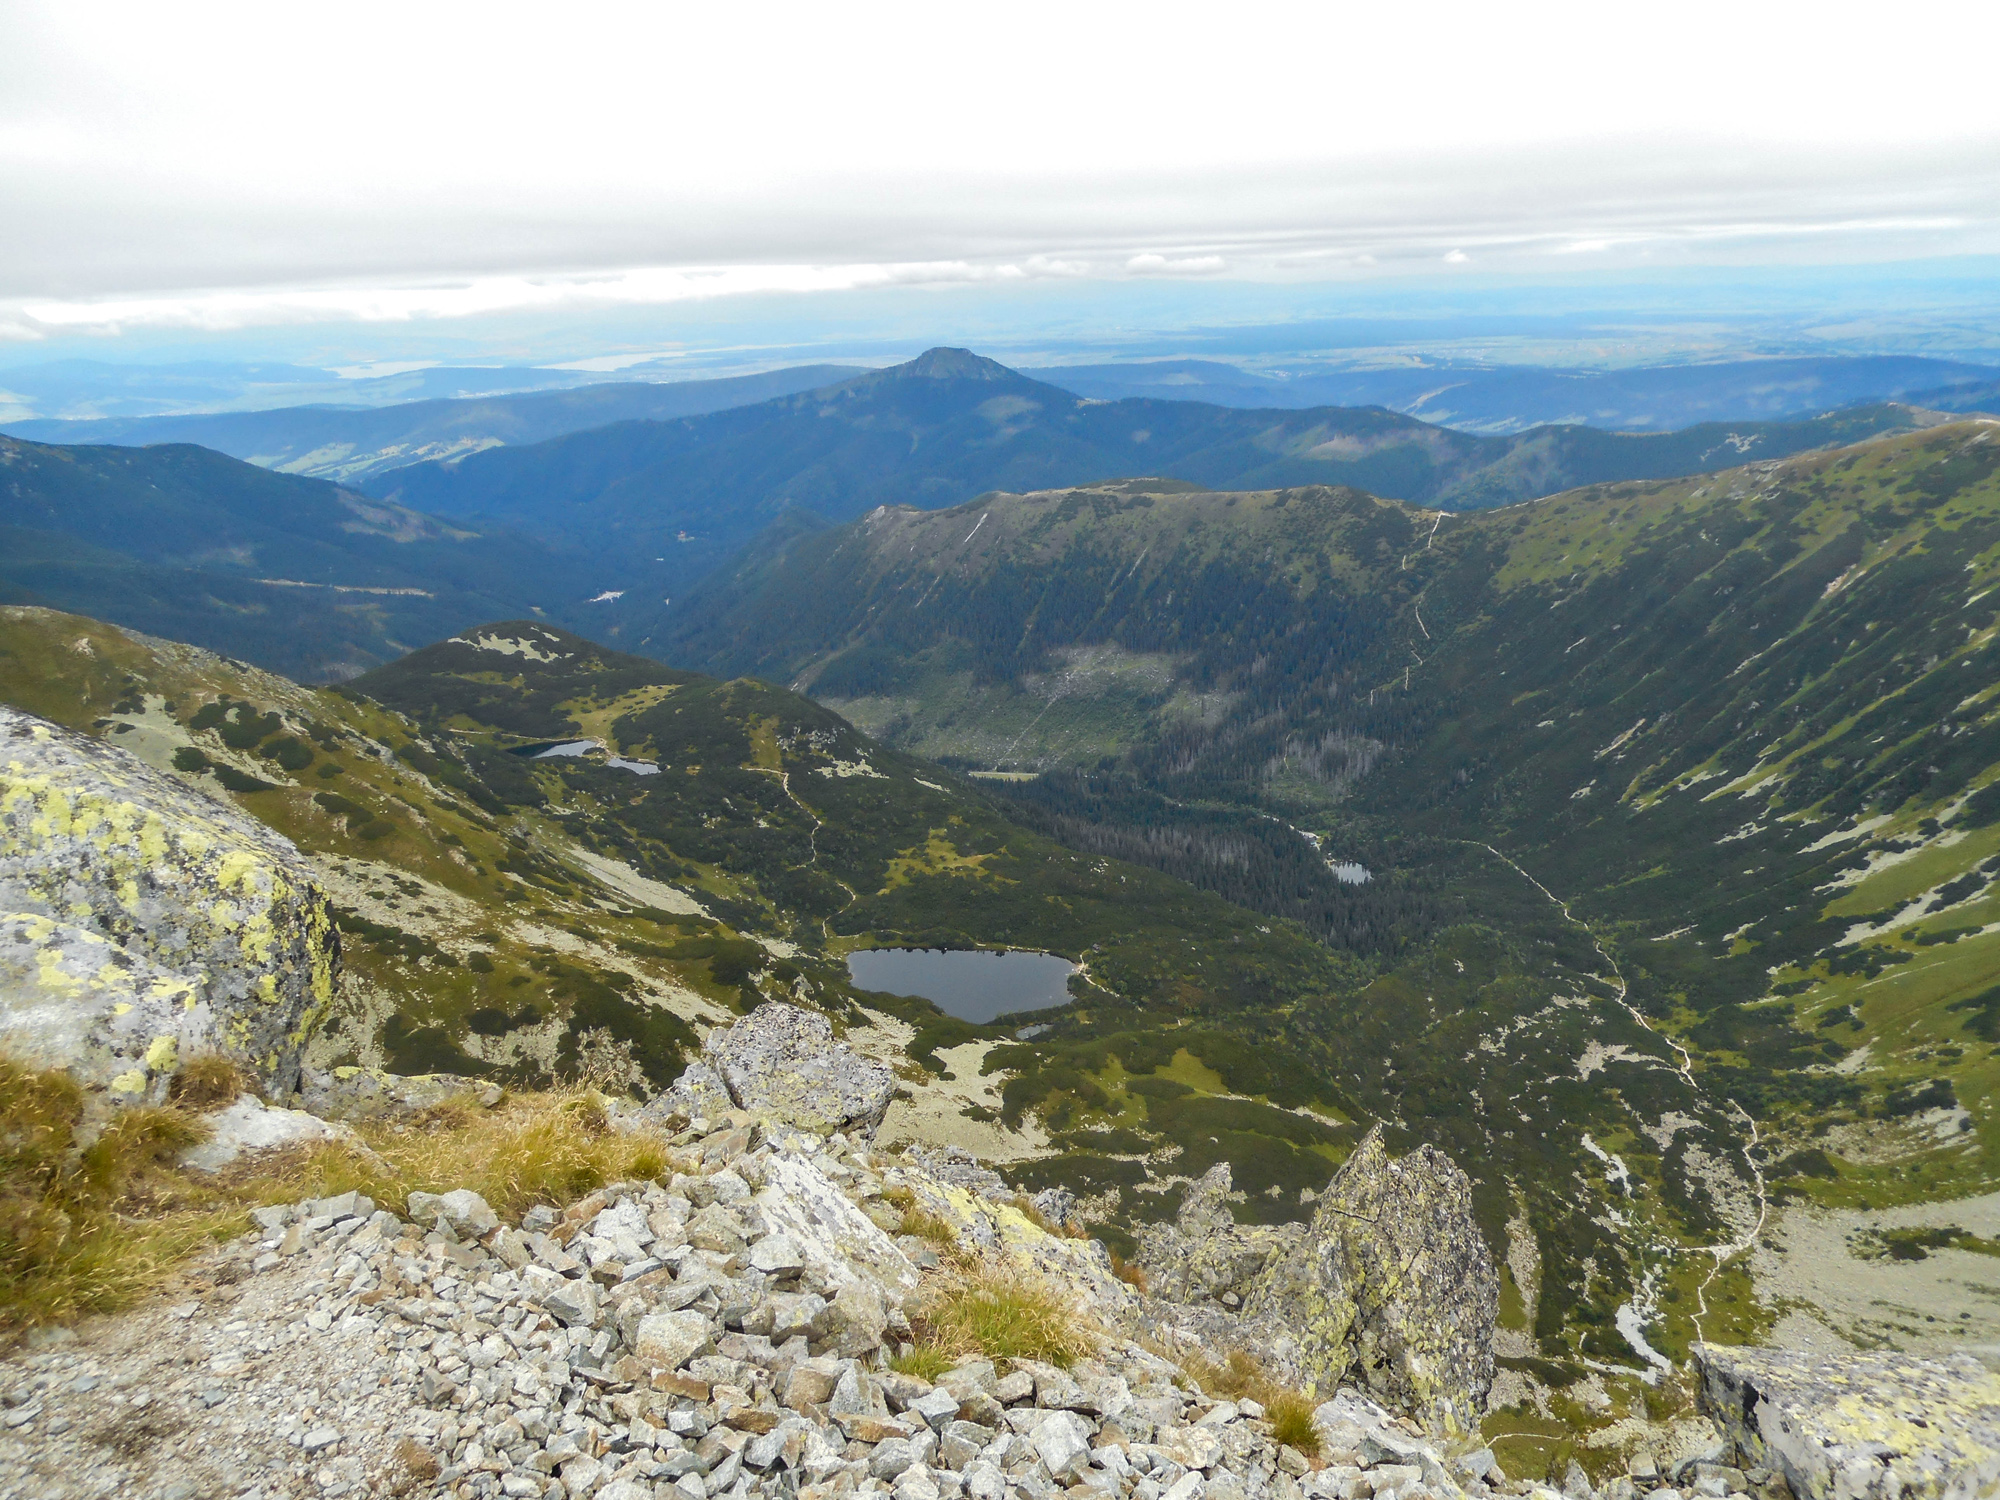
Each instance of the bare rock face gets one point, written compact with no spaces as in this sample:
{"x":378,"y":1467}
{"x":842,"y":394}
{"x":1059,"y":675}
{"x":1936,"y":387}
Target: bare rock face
{"x":781,"y":1064}
{"x":1205,"y":1255}
{"x":1859,"y":1426}
{"x":1393,"y":1287}
{"x":142,"y":922}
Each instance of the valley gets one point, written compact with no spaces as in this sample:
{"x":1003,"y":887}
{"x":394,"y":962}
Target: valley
{"x":1736,"y":730}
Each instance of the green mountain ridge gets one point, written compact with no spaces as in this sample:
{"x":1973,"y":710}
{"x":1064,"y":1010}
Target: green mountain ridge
{"x":300,"y":575}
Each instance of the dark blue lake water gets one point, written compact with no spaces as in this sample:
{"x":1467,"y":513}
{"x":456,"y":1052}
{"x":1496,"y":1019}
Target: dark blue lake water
{"x":973,"y":986}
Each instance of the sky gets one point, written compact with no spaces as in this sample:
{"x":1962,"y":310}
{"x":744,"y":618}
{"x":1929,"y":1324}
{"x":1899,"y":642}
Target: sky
{"x":575,"y":181}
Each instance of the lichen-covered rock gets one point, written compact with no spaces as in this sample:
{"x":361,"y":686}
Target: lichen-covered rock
{"x":781,"y":1064}
{"x":835,"y":1240}
{"x":72,"y":998}
{"x":1077,"y":1268}
{"x":1877,"y":1426}
{"x":214,"y":935}
{"x":1394,"y":1286}
{"x":698,"y":1094}
{"x":1204,"y":1255}
{"x":351,"y":1093}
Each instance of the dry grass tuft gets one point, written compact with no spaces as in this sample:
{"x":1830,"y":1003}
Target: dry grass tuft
{"x":919,"y":1221}
{"x":926,"y":1225}
{"x":209,"y":1082}
{"x":1291,"y":1417}
{"x":532,"y":1148}
{"x":1042,"y":1221}
{"x":1003,"y":1312}
{"x":1133,"y":1276}
{"x":415,"y":1465}
{"x":88,"y":1227}
{"x":70,"y":1239}
{"x":1239,"y":1375}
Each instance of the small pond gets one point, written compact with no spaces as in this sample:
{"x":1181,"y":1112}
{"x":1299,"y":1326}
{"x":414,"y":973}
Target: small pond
{"x":974,"y":986}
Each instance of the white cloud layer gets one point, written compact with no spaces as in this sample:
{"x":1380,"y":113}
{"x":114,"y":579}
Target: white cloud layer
{"x":228,"y":166}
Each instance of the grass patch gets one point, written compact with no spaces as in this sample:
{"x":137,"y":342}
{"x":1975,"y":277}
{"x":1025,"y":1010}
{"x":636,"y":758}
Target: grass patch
{"x":534,"y":1148}
{"x":918,"y":1220}
{"x":74,"y":1234}
{"x":1240,"y":1375}
{"x":209,"y":1082}
{"x":925,"y":1361}
{"x":1291,"y":1417}
{"x":1003,"y":1312}
{"x":89,"y":1225}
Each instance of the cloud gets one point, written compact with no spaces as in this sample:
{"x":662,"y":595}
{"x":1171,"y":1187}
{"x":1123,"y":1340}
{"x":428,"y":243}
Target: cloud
{"x":1150,"y":263}
{"x":239,"y":166}
{"x":226,"y":309}
{"x":1457,"y":258}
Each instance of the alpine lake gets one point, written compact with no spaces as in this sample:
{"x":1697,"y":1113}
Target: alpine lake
{"x":972,"y":984}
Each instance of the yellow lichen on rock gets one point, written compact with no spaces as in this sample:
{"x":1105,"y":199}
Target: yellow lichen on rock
{"x":1392,"y":1286}
{"x":145,"y":921}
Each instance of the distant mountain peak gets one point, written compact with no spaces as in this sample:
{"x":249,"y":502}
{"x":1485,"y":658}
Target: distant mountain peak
{"x":953,"y":364}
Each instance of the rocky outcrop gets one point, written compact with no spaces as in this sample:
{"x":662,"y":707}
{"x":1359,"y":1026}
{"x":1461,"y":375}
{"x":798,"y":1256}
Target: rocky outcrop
{"x":1854,"y":1426}
{"x":723,"y":1333}
{"x":142,"y":921}
{"x":1393,"y":1286}
{"x":1204,"y":1255}
{"x":249,"y":1126}
{"x":781,"y":1065}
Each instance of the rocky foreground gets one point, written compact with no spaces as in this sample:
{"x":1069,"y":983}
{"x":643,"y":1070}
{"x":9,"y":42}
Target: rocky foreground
{"x":727,"y":1331}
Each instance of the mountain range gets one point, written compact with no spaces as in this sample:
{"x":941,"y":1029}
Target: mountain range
{"x":1739,"y":732}
{"x":949,"y":425}
{"x":298,"y":575}
{"x":1513,"y":398}
{"x":1637,"y":845}
{"x":601,"y":529}
{"x":348,"y":443}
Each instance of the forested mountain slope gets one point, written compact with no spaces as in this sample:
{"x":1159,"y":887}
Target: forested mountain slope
{"x":679,"y":498}
{"x":299,"y":575}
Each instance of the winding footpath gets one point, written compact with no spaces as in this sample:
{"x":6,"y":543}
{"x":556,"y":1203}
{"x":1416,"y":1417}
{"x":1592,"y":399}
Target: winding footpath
{"x":1720,"y":1254}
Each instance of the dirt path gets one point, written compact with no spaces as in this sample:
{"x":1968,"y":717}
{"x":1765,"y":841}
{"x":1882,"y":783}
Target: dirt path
{"x":1720,"y":1254}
